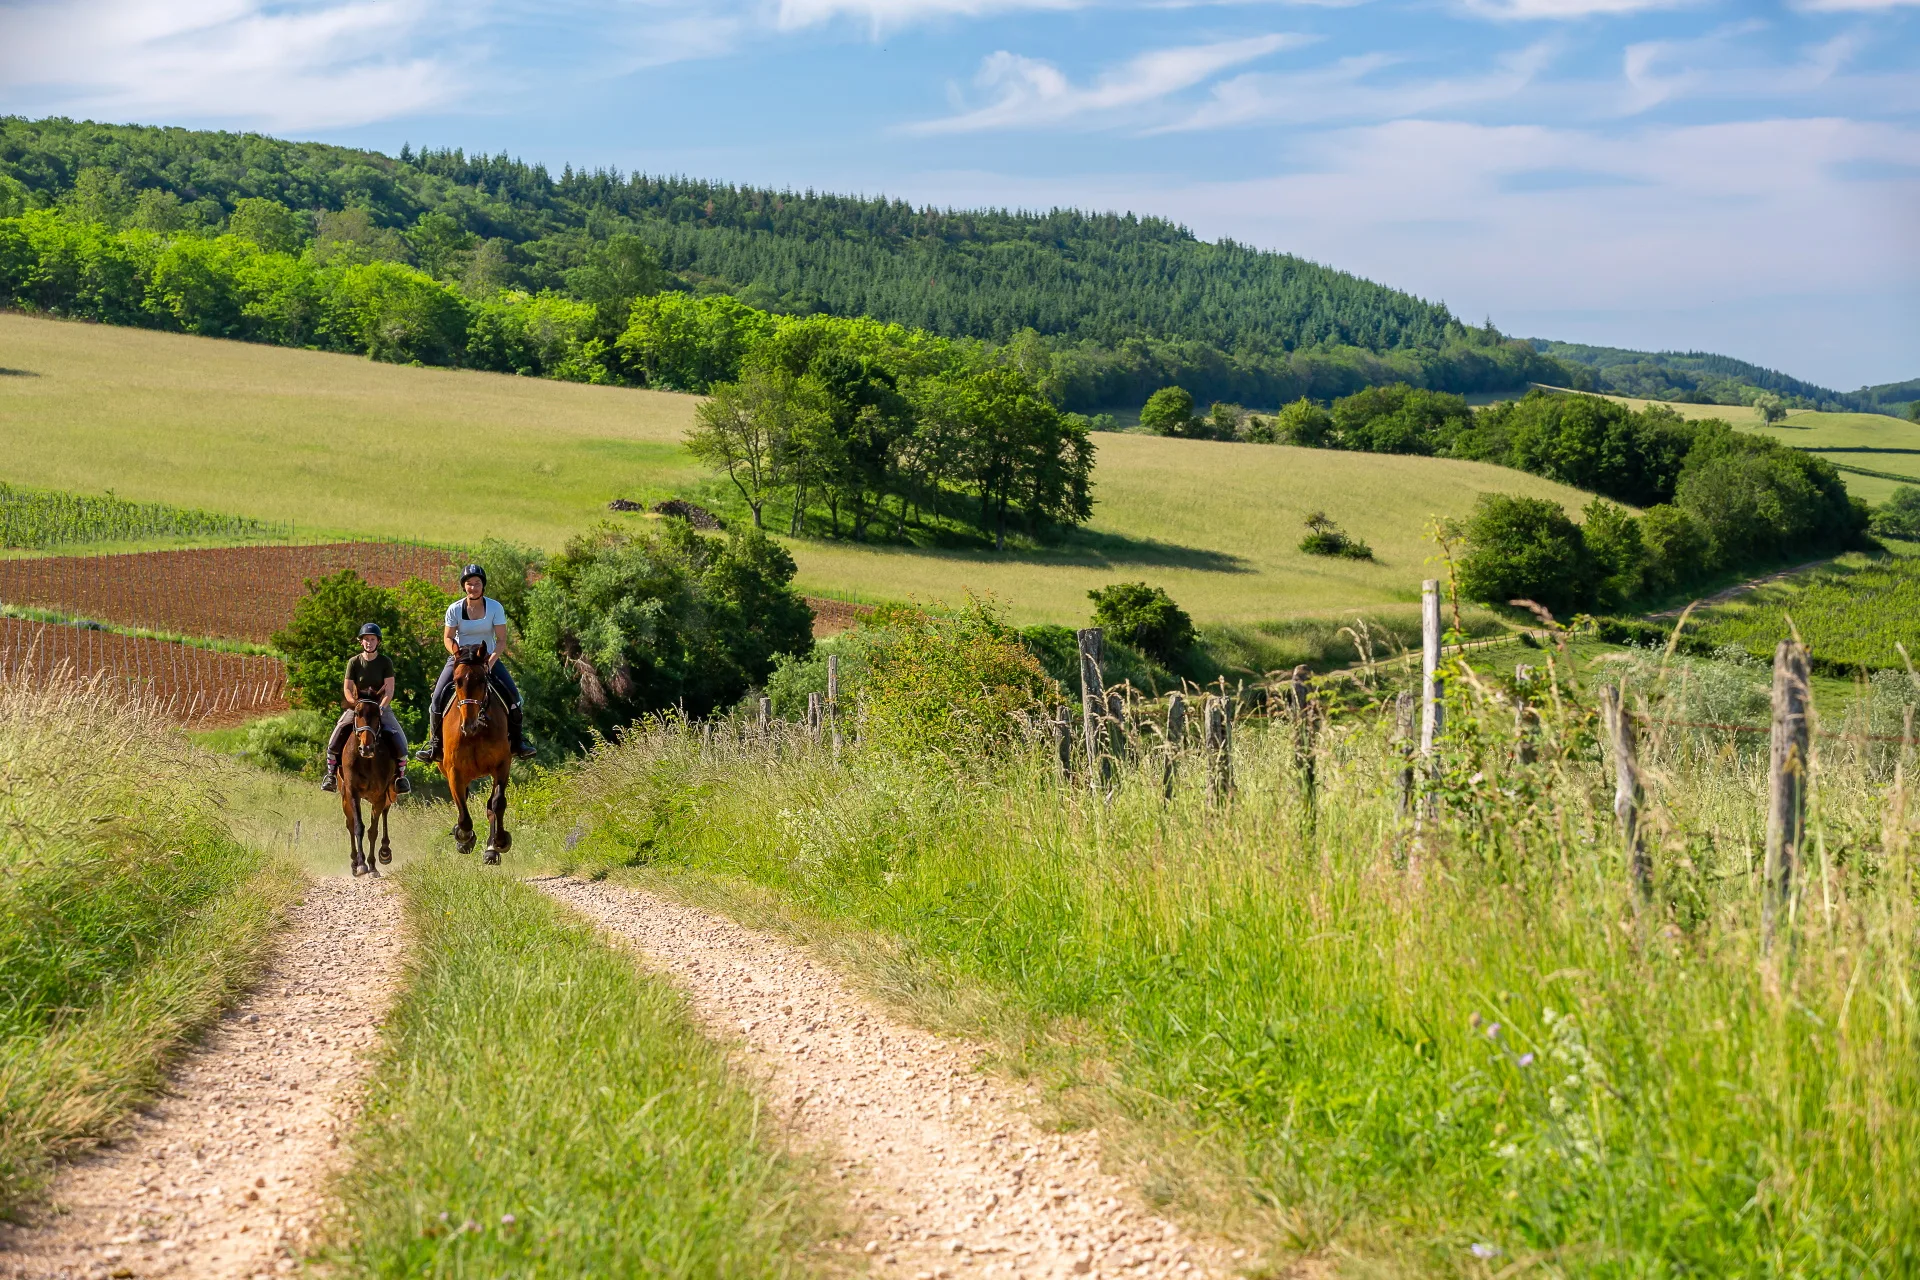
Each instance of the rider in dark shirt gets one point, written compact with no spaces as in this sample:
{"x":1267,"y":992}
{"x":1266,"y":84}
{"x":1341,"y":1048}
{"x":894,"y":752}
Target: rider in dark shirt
{"x":369,"y":675}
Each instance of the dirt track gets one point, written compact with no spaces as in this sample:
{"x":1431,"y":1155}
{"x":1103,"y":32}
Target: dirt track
{"x":224,"y":1175}
{"x":946,"y":1173}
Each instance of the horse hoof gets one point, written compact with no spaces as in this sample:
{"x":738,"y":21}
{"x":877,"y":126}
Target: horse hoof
{"x":506,"y":842}
{"x":493,"y":858}
{"x":386,"y":855}
{"x":358,"y":869}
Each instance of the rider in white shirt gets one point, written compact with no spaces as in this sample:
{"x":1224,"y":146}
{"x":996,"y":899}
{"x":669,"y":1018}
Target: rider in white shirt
{"x":475,"y":619}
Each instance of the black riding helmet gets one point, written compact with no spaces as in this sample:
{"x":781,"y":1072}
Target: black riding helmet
{"x":371,"y":629}
{"x":473,"y":571}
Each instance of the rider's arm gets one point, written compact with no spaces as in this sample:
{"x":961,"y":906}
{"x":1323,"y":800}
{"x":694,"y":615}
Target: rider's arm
{"x":452,"y":640}
{"x":499,"y":643}
{"x":386,"y":692}
{"x":348,"y":692}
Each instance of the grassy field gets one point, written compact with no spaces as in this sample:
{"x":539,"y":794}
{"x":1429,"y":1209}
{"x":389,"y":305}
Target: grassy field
{"x":1497,"y":1063}
{"x":1739,"y":415}
{"x":1861,"y":441}
{"x":338,"y":444}
{"x":129,"y":915}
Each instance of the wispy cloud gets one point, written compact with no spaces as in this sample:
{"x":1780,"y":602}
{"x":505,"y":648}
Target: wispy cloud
{"x":303,"y":67}
{"x":1855,"y":6}
{"x":1341,"y":91}
{"x":893,"y":14}
{"x":1563,"y":10}
{"x":1028,"y":93}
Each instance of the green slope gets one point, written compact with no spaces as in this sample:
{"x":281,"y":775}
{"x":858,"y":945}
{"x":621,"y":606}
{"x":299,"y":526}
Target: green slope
{"x":339,"y":444}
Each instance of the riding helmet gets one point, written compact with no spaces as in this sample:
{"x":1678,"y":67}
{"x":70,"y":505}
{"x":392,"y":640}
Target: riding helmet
{"x":371,"y":629}
{"x":473,"y":571}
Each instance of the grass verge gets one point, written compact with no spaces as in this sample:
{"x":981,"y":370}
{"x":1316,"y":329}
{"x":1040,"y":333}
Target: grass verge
{"x":129,"y":915}
{"x":545,"y":1108}
{"x":1498,"y":1062}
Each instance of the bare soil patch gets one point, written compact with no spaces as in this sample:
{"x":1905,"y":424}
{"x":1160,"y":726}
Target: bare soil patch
{"x":225,"y":1175}
{"x":235,"y":593}
{"x":946,"y":1173}
{"x":202,"y":687}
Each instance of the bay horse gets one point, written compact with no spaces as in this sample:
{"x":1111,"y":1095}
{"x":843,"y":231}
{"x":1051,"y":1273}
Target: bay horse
{"x":368,"y":771}
{"x":474,"y":745}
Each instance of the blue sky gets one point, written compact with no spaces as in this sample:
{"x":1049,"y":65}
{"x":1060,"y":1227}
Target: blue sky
{"x":1737,"y":177}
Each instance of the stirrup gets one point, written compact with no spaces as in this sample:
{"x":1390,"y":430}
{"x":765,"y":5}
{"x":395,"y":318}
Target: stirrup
{"x":522,"y":750}
{"x":401,"y":786}
{"x":429,"y":754}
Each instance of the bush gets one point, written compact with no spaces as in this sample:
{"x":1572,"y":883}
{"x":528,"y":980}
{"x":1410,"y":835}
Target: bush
{"x":1325,"y":538}
{"x":293,"y":743}
{"x":1619,"y":554}
{"x":625,"y":625}
{"x":325,"y":633}
{"x":1527,"y":549}
{"x":1058,"y":652}
{"x":1899,"y":515}
{"x":1144,"y":617}
{"x":1169,"y":412}
{"x":949,"y":683}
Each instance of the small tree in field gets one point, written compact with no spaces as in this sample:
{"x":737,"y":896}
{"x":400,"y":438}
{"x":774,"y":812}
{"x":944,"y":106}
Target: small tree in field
{"x":325,"y":632}
{"x":1526,"y":549}
{"x":1144,"y":617}
{"x":1169,"y":412}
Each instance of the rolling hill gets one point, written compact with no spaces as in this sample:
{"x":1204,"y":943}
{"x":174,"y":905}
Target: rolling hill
{"x":341,"y":445}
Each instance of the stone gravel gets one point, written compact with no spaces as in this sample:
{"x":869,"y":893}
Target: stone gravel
{"x":946,"y":1174}
{"x":225,"y":1175}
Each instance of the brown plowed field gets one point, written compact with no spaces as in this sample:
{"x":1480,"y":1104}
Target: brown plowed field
{"x":197,"y":686}
{"x":235,"y":593}
{"x":830,"y":617}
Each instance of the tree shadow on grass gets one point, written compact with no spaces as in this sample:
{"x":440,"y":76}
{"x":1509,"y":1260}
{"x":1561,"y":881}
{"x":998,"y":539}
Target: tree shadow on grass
{"x":1097,"y":550}
{"x":17,"y":373}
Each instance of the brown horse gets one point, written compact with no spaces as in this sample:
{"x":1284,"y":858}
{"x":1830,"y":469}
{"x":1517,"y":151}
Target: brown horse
{"x":474,"y":734}
{"x":368,"y":771}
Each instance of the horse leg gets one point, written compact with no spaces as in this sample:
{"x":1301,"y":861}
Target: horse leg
{"x":386,"y":831}
{"x":496,"y":815}
{"x":501,"y":836}
{"x":350,"y":800}
{"x":463,"y":828}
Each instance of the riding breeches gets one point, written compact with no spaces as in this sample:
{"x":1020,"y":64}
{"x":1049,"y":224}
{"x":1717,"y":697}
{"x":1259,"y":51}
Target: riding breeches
{"x":338,"y":742}
{"x":443,"y":690}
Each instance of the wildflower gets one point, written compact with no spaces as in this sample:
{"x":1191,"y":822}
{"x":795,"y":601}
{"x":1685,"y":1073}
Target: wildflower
{"x":507,"y":1219}
{"x":1483,"y":1251}
{"x":1525,"y":1060}
{"x":1473,"y":1019}
{"x":1493,"y":1032}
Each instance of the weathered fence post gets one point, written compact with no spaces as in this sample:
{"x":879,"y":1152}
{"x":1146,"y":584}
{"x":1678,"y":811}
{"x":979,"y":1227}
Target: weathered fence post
{"x":1093,"y":707}
{"x":1219,"y":746}
{"x":1787,"y":778}
{"x":1062,"y":725}
{"x":766,"y":717}
{"x":1627,"y":792}
{"x":816,"y":716}
{"x":1304,"y":710}
{"x":1403,"y":743}
{"x":833,"y":698}
{"x":1433,"y":689}
{"x":1176,"y":739}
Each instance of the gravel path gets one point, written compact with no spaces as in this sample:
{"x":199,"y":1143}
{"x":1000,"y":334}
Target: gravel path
{"x":224,"y":1175}
{"x":947,"y":1175}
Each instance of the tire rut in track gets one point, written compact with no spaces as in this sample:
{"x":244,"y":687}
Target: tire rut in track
{"x":224,"y":1175}
{"x":947,"y":1175}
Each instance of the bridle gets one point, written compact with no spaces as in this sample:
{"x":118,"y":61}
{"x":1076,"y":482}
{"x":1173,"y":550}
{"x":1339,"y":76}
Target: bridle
{"x":464,"y":667}
{"x":365,"y":742}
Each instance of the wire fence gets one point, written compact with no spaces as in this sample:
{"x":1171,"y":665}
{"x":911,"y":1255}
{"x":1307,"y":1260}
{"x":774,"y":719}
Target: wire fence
{"x":202,"y":687}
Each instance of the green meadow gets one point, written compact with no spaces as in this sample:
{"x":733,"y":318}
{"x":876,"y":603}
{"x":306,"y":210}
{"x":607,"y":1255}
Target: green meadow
{"x":339,"y":445}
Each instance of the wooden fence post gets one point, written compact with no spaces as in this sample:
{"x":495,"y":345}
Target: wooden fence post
{"x":1219,"y":746}
{"x":1433,"y":689}
{"x":1062,"y":726}
{"x":766,"y":716}
{"x":1403,"y":743}
{"x":1787,"y":778}
{"x":1176,"y":739}
{"x":833,"y":698}
{"x":1627,"y":791}
{"x":1093,"y":706}
{"x":816,"y":716}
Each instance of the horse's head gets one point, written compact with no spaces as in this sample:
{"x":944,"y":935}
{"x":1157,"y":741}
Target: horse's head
{"x":367,"y":727}
{"x":470,"y":681}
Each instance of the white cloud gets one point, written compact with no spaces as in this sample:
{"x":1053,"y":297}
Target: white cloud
{"x":1562,"y":10}
{"x":227,"y":60}
{"x":1658,"y":71}
{"x":892,"y":14}
{"x":1340,"y":92}
{"x":1855,"y":6}
{"x":1028,"y":92}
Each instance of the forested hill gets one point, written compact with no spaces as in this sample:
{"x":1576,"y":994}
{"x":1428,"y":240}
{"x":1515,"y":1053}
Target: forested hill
{"x":1128,"y":304}
{"x":1700,"y":377}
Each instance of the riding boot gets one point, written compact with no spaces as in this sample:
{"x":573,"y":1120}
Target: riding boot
{"x":516,"y":733}
{"x":430,"y":754}
{"x":333,"y":771}
{"x":401,"y":786}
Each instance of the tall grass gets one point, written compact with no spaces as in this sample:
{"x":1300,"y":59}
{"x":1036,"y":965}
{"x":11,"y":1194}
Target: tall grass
{"x":128,"y":915}
{"x":1465,"y":1055}
{"x":546,"y":1109}
{"x":37,"y":519}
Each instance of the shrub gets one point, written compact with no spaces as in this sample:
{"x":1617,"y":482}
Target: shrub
{"x":1899,"y":515}
{"x":949,"y":683}
{"x":325,"y":631}
{"x":293,"y":743}
{"x":1169,"y":412}
{"x":1144,"y":617}
{"x":1526,"y":548}
{"x":625,"y":625}
{"x":1325,"y":538}
{"x":1620,"y":557}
